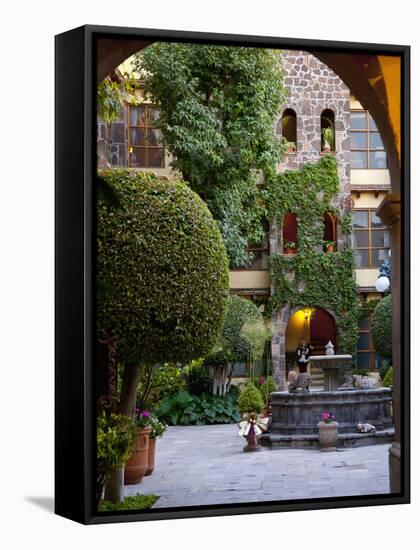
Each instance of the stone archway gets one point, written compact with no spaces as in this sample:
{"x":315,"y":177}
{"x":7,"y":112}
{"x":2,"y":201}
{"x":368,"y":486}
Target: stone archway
{"x":376,"y":82}
{"x":280,"y":323}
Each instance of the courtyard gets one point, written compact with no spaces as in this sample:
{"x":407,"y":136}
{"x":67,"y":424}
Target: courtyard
{"x":202,"y":465}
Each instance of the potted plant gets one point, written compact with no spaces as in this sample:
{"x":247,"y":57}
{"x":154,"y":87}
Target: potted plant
{"x":291,"y":147}
{"x":329,"y":246}
{"x":327,"y":139}
{"x":328,"y":432}
{"x":289,"y":247}
{"x":137,"y":465}
{"x":157,"y":429}
{"x":115,"y":438}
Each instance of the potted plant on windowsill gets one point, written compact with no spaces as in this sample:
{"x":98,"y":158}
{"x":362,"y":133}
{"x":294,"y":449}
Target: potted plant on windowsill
{"x":329,"y":246}
{"x":327,"y":139}
{"x":289,"y":247}
{"x":328,"y":432}
{"x":290,"y":147}
{"x":137,"y":465}
{"x":157,"y":429}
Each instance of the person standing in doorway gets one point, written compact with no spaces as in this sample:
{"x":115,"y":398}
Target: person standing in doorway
{"x":303,"y":353}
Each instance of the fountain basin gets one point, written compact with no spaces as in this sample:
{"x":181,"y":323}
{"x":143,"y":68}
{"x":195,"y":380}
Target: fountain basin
{"x":333,"y":367}
{"x":295,"y":416}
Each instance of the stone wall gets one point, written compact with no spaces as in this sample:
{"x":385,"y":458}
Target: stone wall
{"x":311,"y":88}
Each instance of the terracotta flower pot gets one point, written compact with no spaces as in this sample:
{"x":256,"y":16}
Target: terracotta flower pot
{"x":151,"y":456}
{"x":330,"y":248}
{"x":137,"y":465}
{"x":328,"y":435}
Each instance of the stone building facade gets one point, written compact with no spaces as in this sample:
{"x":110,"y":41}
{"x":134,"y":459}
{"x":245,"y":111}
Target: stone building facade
{"x":312,"y":89}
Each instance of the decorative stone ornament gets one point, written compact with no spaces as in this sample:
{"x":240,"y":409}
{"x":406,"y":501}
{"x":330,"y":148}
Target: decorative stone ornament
{"x":328,"y":435}
{"x":329,"y":349}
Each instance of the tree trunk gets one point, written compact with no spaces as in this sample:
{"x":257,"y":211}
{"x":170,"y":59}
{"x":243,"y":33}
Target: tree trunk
{"x":131,"y":379}
{"x":229,"y":382}
{"x":114,"y":490}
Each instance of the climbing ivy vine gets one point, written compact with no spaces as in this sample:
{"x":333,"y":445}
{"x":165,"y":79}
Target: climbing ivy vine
{"x":311,"y":277}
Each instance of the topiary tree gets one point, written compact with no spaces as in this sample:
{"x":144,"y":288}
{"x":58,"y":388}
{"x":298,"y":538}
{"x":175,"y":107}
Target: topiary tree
{"x":381,"y":327}
{"x":250,"y":400}
{"x":163,"y":264}
{"x":218,"y":109}
{"x":232,"y":346}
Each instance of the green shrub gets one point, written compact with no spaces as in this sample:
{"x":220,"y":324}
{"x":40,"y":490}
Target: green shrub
{"x":115,"y":438}
{"x":198,"y":379}
{"x":381,"y":327}
{"x":267,"y":387}
{"x":384,"y":369}
{"x":250,"y":400}
{"x":388,"y":380}
{"x":185,"y":409}
{"x":234,"y":391}
{"x":136,"y":502}
{"x":362,"y":372}
{"x":162,"y":259}
{"x":233,"y":346}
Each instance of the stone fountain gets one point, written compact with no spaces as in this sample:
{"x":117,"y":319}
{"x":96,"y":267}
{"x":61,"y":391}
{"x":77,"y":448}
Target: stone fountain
{"x":295,"y":415}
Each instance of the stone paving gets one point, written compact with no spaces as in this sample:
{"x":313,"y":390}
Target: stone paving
{"x":199,"y":465}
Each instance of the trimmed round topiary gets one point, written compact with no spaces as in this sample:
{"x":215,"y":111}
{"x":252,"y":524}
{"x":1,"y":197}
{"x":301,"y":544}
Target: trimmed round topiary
{"x":381,"y":327}
{"x":164,"y":268}
{"x":250,"y":400}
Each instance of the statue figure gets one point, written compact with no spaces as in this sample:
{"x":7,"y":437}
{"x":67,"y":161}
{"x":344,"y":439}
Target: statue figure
{"x":297,"y":382}
{"x":329,"y":349}
{"x":348,"y":382}
{"x":365,"y":382}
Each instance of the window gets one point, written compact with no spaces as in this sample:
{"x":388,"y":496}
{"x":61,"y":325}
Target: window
{"x":144,"y":139}
{"x":327,"y":130}
{"x":290,"y":233}
{"x":288,"y":126}
{"x":330,"y":232}
{"x":367,"y":357}
{"x":259,"y":252}
{"x":370,"y":239}
{"x":367,"y":149}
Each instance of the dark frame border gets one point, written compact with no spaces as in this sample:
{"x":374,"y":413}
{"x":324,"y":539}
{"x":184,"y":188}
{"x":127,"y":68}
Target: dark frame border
{"x":75,"y":165}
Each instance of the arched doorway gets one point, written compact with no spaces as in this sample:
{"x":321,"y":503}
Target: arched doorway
{"x":322,"y":329}
{"x":316,"y":327}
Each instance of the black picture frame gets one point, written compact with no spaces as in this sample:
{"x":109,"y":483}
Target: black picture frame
{"x":75,"y":165}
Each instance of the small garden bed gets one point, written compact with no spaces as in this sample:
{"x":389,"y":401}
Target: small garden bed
{"x":135,"y":502}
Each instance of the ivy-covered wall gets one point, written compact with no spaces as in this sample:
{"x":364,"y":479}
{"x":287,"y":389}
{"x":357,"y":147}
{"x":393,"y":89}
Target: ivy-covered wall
{"x":311,"y":277}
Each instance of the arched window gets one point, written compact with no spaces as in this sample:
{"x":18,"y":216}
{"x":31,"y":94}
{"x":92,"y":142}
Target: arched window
{"x":330,"y":232}
{"x":290,"y":233}
{"x":327,"y":131}
{"x":288,"y":128}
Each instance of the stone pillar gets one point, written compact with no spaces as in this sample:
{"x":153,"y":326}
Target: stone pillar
{"x":278,"y":347}
{"x":389,"y":212}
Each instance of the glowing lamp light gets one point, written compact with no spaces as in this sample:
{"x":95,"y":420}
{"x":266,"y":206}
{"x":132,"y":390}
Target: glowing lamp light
{"x":382,"y":284}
